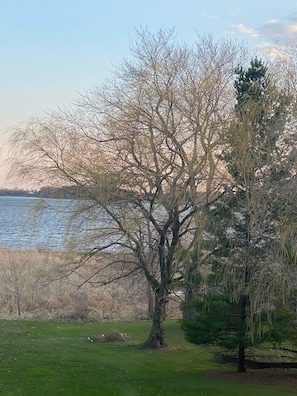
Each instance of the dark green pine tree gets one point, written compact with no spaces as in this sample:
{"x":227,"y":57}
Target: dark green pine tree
{"x":242,"y":221}
{"x":217,"y":322}
{"x":251,"y":158}
{"x":251,"y":83}
{"x":258,"y":123}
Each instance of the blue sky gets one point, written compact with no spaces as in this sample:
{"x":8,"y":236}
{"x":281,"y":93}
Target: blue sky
{"x":51,"y":50}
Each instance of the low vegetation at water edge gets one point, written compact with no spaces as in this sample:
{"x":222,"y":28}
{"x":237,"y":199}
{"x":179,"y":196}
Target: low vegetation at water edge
{"x":35,"y":285}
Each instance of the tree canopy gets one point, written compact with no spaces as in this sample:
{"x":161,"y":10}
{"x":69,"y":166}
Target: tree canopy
{"x":153,"y":149}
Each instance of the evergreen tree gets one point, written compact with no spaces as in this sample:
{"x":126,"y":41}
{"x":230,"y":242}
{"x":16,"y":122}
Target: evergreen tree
{"x":218,"y":322}
{"x":243,"y":220}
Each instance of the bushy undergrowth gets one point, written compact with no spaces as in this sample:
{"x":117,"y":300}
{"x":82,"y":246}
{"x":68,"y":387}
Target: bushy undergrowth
{"x":34,"y":285}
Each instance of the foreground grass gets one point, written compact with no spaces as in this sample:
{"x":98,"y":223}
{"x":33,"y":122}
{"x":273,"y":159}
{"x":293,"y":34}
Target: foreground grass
{"x":47,"y":358}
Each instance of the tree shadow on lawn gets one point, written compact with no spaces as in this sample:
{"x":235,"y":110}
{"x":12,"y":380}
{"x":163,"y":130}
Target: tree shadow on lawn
{"x":278,"y":377}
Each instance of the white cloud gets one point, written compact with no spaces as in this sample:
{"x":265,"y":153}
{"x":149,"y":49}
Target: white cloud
{"x":271,"y":49}
{"x":272,"y":33}
{"x":271,"y":21}
{"x":241,"y":28}
{"x":213,"y":17}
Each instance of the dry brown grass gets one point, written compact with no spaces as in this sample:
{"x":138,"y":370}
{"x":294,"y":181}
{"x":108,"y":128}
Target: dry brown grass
{"x":33,"y":286}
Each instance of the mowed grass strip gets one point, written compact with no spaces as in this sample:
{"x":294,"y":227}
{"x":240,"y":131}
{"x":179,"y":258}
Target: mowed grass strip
{"x":48,"y":358}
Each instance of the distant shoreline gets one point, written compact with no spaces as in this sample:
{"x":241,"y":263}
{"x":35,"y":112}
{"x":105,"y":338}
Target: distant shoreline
{"x":18,"y":193}
{"x":45,"y":192}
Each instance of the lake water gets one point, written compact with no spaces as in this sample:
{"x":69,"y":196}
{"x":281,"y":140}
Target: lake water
{"x":23,"y":225}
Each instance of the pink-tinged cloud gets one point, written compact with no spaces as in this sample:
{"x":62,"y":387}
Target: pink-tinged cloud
{"x":279,"y":31}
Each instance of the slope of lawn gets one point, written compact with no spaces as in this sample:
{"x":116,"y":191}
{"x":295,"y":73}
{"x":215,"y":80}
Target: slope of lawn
{"x":51,"y":358}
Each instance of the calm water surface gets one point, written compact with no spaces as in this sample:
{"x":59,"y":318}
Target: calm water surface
{"x":23,"y":225}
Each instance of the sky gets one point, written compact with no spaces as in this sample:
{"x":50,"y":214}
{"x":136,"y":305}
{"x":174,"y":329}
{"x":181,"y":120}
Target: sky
{"x":53,"y":50}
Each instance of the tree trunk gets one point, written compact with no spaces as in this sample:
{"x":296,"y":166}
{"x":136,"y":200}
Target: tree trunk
{"x":189,"y":311}
{"x":150,"y":301}
{"x":241,"y":358}
{"x":156,"y":338}
{"x":242,"y":333}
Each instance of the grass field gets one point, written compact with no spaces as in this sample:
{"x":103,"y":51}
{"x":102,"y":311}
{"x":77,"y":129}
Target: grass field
{"x":52,"y":358}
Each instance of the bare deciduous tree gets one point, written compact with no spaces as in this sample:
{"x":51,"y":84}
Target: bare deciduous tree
{"x":142,"y":151}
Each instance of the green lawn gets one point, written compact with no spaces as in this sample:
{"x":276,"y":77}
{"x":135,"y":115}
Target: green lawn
{"x":47,"y":358}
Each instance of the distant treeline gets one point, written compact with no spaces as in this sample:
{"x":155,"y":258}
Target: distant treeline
{"x":44,"y":192}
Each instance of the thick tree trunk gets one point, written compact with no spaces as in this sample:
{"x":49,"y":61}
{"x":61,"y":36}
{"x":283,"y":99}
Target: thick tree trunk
{"x":241,"y":359}
{"x":156,"y":338}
